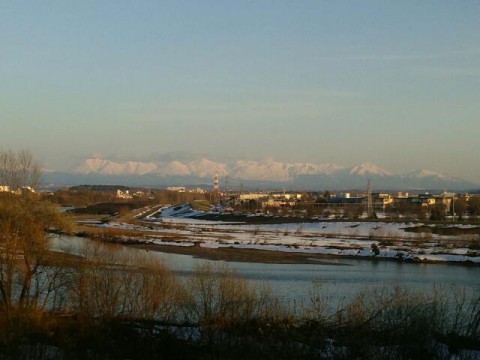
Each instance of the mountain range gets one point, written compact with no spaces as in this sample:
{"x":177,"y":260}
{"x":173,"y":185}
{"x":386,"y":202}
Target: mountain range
{"x":252,"y":173}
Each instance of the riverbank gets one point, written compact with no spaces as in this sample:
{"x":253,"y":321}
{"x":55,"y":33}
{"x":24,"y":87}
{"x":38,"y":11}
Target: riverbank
{"x":246,"y":255}
{"x":294,"y":243}
{"x":231,"y":254}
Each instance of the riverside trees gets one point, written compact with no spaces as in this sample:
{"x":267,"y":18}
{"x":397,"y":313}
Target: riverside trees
{"x":25,"y":288}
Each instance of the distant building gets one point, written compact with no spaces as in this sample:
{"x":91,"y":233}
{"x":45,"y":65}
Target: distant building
{"x":124,"y":194}
{"x":27,"y":189}
{"x":253,"y":196}
{"x":198,"y":191}
{"x":287,"y":196}
{"x":183,"y":189}
{"x":445,"y":199}
{"x":383,"y":199}
{"x":425,"y":199}
{"x":345,"y":200}
{"x":277,"y":202}
{"x":23,"y":190}
{"x":180,"y":189}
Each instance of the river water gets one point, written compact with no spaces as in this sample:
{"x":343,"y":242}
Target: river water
{"x":340,"y":279}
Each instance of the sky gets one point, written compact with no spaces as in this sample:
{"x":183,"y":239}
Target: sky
{"x":395,"y":83}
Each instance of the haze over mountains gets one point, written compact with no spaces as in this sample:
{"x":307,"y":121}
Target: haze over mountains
{"x":266,"y":173}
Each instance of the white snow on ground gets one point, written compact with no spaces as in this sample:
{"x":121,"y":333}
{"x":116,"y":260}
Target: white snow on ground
{"x":89,"y":222}
{"x":180,"y":211}
{"x":174,"y":227}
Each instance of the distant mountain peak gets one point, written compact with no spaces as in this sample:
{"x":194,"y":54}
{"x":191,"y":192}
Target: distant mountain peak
{"x":108,"y":167}
{"x":366,"y":168}
{"x":429,"y":174}
{"x":425,"y":173}
{"x":207,"y":168}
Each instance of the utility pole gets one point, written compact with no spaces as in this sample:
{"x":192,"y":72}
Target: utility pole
{"x":215,"y":188}
{"x":225,"y":192}
{"x":453,"y":207}
{"x":369,"y":200}
{"x":226,"y":184}
{"x":215,"y":183}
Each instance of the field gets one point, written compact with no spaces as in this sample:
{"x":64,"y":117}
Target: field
{"x":184,"y":230}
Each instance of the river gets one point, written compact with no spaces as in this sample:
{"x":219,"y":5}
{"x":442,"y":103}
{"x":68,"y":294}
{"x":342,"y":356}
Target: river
{"x":340,"y":279}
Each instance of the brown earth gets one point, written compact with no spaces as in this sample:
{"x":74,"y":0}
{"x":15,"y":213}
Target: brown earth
{"x":241,"y":255}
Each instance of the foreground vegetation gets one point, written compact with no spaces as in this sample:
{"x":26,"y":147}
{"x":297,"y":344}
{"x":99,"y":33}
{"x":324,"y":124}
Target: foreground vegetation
{"x":110,"y":307}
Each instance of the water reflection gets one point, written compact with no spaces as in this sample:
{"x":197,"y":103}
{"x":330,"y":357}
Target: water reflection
{"x":295,"y":281}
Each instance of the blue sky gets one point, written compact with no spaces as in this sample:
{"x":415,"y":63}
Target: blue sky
{"x":396,"y":83}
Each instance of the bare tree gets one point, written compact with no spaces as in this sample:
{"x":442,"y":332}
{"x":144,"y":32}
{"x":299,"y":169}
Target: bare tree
{"x":474,"y":206}
{"x":461,"y":207}
{"x":19,"y":169}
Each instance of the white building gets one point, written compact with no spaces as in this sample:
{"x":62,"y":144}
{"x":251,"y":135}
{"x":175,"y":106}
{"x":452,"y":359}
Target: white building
{"x":253,"y":196}
{"x":124,"y":194}
{"x":180,"y":189}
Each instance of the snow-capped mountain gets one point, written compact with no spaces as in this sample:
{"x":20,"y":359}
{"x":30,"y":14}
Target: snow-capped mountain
{"x":108,"y":167}
{"x":423,"y":173}
{"x":368,"y":169}
{"x":301,"y":175}
{"x":174,"y":168}
{"x":267,"y":170}
{"x":206,"y":168}
{"x":270,"y":170}
{"x":199,"y":168}
{"x":424,"y":178}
